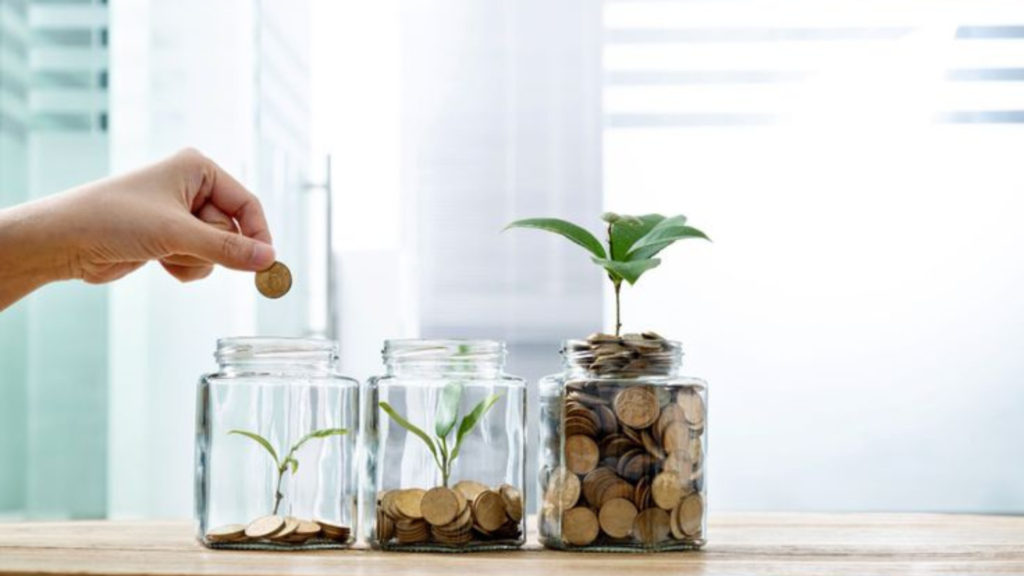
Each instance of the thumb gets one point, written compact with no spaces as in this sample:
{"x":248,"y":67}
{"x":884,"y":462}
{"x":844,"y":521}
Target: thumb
{"x":230,"y":249}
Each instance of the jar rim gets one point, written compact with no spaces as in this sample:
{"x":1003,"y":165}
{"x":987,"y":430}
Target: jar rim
{"x":442,"y":348}
{"x":286,"y":348}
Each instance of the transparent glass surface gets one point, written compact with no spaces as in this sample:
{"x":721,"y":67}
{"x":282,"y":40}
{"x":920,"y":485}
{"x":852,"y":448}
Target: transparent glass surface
{"x":485,"y":471}
{"x":623,"y":460}
{"x":284,"y":392}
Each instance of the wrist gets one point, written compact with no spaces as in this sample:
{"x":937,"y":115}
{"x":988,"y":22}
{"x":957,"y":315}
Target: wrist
{"x":31,"y":250}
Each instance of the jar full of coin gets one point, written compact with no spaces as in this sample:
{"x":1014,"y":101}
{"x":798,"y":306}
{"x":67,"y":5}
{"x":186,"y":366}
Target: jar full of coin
{"x":623,"y":448}
{"x":276,"y":431}
{"x":445,"y":438}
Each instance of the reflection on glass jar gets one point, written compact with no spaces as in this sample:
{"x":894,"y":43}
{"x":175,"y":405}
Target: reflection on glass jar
{"x":275,"y":447}
{"x":623,"y":448}
{"x":445,"y":443}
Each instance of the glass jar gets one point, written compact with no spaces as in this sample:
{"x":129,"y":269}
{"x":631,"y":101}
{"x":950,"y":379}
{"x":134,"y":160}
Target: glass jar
{"x":444,"y":433}
{"x":275,"y":447}
{"x":623,"y":448}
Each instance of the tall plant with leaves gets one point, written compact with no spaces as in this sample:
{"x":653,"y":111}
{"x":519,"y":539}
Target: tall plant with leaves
{"x":290,"y":461}
{"x":445,"y":418}
{"x":633,"y":242}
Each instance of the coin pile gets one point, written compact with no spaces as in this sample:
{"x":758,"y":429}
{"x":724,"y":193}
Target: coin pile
{"x":646,"y":354}
{"x":457,"y":516}
{"x":283,"y":530}
{"x":275,"y":281}
{"x":632,"y":471}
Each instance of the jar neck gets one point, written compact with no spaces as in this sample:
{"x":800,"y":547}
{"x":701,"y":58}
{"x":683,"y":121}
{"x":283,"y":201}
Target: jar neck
{"x":629,"y":356}
{"x":431,"y":359}
{"x":290,"y":356}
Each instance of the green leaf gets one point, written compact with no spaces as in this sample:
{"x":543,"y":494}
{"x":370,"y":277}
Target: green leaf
{"x":323,"y":433}
{"x":447,"y":409}
{"x":567,"y":229}
{"x":294,"y":464}
{"x":262,"y":442}
{"x":662,"y":237}
{"x":628,"y":271}
{"x":411,"y":428}
{"x":471,"y":420}
{"x":627,"y":231}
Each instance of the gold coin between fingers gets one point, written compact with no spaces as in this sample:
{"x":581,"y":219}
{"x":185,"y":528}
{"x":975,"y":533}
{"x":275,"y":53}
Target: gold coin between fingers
{"x":275,"y":281}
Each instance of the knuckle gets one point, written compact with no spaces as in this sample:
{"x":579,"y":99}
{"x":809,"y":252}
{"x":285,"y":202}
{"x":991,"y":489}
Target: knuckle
{"x":232,"y":247}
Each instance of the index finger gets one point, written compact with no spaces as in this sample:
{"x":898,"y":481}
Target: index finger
{"x":230,"y":197}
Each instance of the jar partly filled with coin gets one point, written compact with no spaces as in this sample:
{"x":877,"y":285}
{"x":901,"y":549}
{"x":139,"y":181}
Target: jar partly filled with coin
{"x":445,"y":437}
{"x":276,"y":430}
{"x":623,"y":448}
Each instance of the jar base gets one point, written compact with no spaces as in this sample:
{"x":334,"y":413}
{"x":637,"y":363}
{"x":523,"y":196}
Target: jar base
{"x":317,"y":544}
{"x":619,"y":547}
{"x":450,"y":549}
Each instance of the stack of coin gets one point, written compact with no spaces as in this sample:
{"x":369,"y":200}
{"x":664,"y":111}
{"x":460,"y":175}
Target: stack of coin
{"x":281,"y":530}
{"x":646,"y":354}
{"x":631,"y":471}
{"x":469,"y":512}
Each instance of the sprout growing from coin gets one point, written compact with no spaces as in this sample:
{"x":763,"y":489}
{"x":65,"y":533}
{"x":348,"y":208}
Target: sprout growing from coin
{"x":447,"y":414}
{"x":633,"y":243}
{"x":290,"y":462}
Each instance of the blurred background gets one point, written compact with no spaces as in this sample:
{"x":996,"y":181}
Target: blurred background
{"x":857,"y":163}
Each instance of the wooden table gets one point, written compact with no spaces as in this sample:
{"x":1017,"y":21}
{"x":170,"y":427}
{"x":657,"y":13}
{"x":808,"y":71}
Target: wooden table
{"x":791,"y":544}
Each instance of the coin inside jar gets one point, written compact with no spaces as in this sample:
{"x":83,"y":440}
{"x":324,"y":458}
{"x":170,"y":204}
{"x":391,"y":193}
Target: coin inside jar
{"x":275,"y":281}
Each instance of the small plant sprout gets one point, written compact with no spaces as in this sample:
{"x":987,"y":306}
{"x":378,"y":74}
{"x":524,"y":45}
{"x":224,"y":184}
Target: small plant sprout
{"x":633,"y":243}
{"x":290,"y":462}
{"x":444,"y":422}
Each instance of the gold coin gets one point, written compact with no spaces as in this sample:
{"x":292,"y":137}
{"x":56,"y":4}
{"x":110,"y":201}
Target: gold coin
{"x":693,"y":407}
{"x":289,"y":528}
{"x":229,"y":533}
{"x":581,"y":454}
{"x":617,"y":516}
{"x":489,"y":511}
{"x":334,"y":531}
{"x":275,"y":281}
{"x":667,"y":489}
{"x":637,"y":407}
{"x":408,"y":503}
{"x":412,"y":531}
{"x":264,"y":527}
{"x":439,"y":506}
{"x":513,"y":501}
{"x":676,"y":438}
{"x":470,"y":489}
{"x":651,"y":526}
{"x":691,"y":514}
{"x":307,"y":529}
{"x":563,"y":488}
{"x":580,"y":526}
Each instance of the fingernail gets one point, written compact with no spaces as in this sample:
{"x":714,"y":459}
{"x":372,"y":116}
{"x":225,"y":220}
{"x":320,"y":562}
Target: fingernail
{"x":262,"y":255}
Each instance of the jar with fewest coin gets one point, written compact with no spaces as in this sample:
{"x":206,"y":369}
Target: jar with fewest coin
{"x":445,"y":441}
{"x":623,"y":450}
{"x":276,"y":431}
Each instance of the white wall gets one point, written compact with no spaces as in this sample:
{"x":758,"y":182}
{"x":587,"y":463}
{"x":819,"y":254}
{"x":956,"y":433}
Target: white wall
{"x":187,"y":74}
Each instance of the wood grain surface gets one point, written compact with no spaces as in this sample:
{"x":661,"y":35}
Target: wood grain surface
{"x":775,"y":543}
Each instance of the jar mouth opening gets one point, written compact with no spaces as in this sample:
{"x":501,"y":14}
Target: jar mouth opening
{"x":277,"y":349}
{"x":645,"y":354}
{"x":411,"y":350}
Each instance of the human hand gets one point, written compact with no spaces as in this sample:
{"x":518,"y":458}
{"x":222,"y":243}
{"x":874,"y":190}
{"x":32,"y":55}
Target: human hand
{"x":184,"y":211}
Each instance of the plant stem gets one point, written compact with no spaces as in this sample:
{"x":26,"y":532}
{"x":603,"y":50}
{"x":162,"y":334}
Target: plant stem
{"x":618,"y":308}
{"x":446,"y":465}
{"x":615,"y":282}
{"x":277,"y":491}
